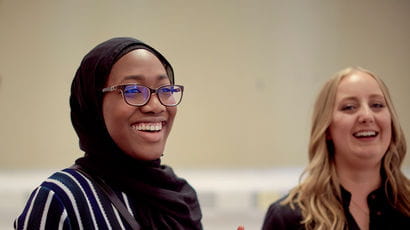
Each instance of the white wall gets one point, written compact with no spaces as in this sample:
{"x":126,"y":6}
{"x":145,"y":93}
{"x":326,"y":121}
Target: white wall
{"x":251,"y":71}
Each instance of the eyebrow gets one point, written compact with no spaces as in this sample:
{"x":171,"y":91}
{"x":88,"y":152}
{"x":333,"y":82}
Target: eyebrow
{"x":372,"y":96}
{"x":377,"y":96}
{"x":142,"y":78}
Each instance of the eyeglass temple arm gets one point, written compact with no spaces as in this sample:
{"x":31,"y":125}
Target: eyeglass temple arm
{"x":109,"y":89}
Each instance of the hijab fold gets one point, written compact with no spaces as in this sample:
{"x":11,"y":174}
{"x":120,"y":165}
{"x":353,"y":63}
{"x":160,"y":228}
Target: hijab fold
{"x":163,"y":200}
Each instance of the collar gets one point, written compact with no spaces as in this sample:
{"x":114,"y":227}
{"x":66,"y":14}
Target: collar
{"x":376,"y":196}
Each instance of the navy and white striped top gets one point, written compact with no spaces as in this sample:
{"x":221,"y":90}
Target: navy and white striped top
{"x":69,"y":200}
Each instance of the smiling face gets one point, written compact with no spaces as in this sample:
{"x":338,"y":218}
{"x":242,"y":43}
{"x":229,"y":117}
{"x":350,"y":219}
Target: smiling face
{"x":140,"y":132}
{"x":361,"y":122}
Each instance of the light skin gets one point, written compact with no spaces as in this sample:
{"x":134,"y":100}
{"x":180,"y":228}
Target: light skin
{"x":361,"y":134}
{"x":122,"y":120}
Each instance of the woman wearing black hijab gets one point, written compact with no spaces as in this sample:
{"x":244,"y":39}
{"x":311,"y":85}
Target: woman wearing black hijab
{"x":123,"y":103}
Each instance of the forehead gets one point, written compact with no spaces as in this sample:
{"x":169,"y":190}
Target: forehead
{"x":139,"y":58}
{"x":140,"y":65}
{"x":358,"y":84}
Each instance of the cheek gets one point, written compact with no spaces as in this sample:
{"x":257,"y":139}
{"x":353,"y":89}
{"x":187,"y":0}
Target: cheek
{"x":335,"y":127}
{"x":172,"y":111}
{"x":386,"y":125}
{"x":107,"y":109}
{"x":339,"y":130}
{"x":334,"y":133}
{"x":108,"y":117}
{"x":114,"y":113}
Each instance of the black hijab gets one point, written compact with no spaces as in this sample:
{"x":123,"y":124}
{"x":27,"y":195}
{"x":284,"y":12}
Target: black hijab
{"x":163,"y":200}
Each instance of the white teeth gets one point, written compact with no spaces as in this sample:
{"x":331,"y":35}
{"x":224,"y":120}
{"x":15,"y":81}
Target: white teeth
{"x":148,"y":126}
{"x":365,"y":134}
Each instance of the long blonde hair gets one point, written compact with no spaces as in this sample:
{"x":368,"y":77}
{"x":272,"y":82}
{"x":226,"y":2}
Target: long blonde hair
{"x":318,"y":194}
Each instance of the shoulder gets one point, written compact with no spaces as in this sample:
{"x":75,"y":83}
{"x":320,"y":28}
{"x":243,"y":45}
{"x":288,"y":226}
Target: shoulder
{"x":57,"y":201}
{"x":69,"y":198}
{"x":71,"y":190}
{"x":280,"y":216}
{"x":69,"y":182}
{"x":66,"y":177}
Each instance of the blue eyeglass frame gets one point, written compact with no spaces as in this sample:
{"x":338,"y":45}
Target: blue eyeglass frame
{"x":122,"y":87}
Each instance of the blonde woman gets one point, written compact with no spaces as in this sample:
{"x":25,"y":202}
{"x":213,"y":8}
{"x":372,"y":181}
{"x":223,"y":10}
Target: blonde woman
{"x":353,"y":180}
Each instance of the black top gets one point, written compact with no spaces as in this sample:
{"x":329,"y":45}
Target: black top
{"x":382,"y":214}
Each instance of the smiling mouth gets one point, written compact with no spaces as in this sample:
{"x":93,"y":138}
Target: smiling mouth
{"x":365,"y":134}
{"x":148,"y":126}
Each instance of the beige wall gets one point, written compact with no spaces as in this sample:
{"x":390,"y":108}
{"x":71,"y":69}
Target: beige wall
{"x":251,"y":71}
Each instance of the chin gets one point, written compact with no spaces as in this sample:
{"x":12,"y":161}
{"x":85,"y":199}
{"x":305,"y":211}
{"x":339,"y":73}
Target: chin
{"x":147,"y":155}
{"x":370,"y":155}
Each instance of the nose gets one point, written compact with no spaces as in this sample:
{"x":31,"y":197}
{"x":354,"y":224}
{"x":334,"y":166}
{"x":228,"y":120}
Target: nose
{"x":153,"y":105}
{"x":366,"y":115}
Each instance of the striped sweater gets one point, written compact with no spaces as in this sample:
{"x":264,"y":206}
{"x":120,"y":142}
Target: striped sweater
{"x":69,"y":200}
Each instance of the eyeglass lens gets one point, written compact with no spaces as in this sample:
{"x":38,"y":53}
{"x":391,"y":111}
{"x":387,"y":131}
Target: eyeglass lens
{"x":169,"y":95}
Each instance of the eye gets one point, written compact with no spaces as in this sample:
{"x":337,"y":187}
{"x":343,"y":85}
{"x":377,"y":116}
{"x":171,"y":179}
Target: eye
{"x":377,"y":106}
{"x":175,"y":89}
{"x":165,"y":90}
{"x":132,"y":91}
{"x":170,"y":90}
{"x":348,"y":107}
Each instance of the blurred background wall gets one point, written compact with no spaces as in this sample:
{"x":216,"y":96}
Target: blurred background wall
{"x":251,"y":70}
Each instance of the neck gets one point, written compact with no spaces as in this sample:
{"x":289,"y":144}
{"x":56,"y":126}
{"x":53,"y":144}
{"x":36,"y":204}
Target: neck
{"x":359,"y":181}
{"x":359,"y":176}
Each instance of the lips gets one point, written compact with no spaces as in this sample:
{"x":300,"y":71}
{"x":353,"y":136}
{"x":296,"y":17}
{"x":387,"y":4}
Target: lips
{"x":365,"y":134}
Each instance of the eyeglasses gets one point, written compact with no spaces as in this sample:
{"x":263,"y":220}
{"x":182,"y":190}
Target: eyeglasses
{"x":139,"y":95}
